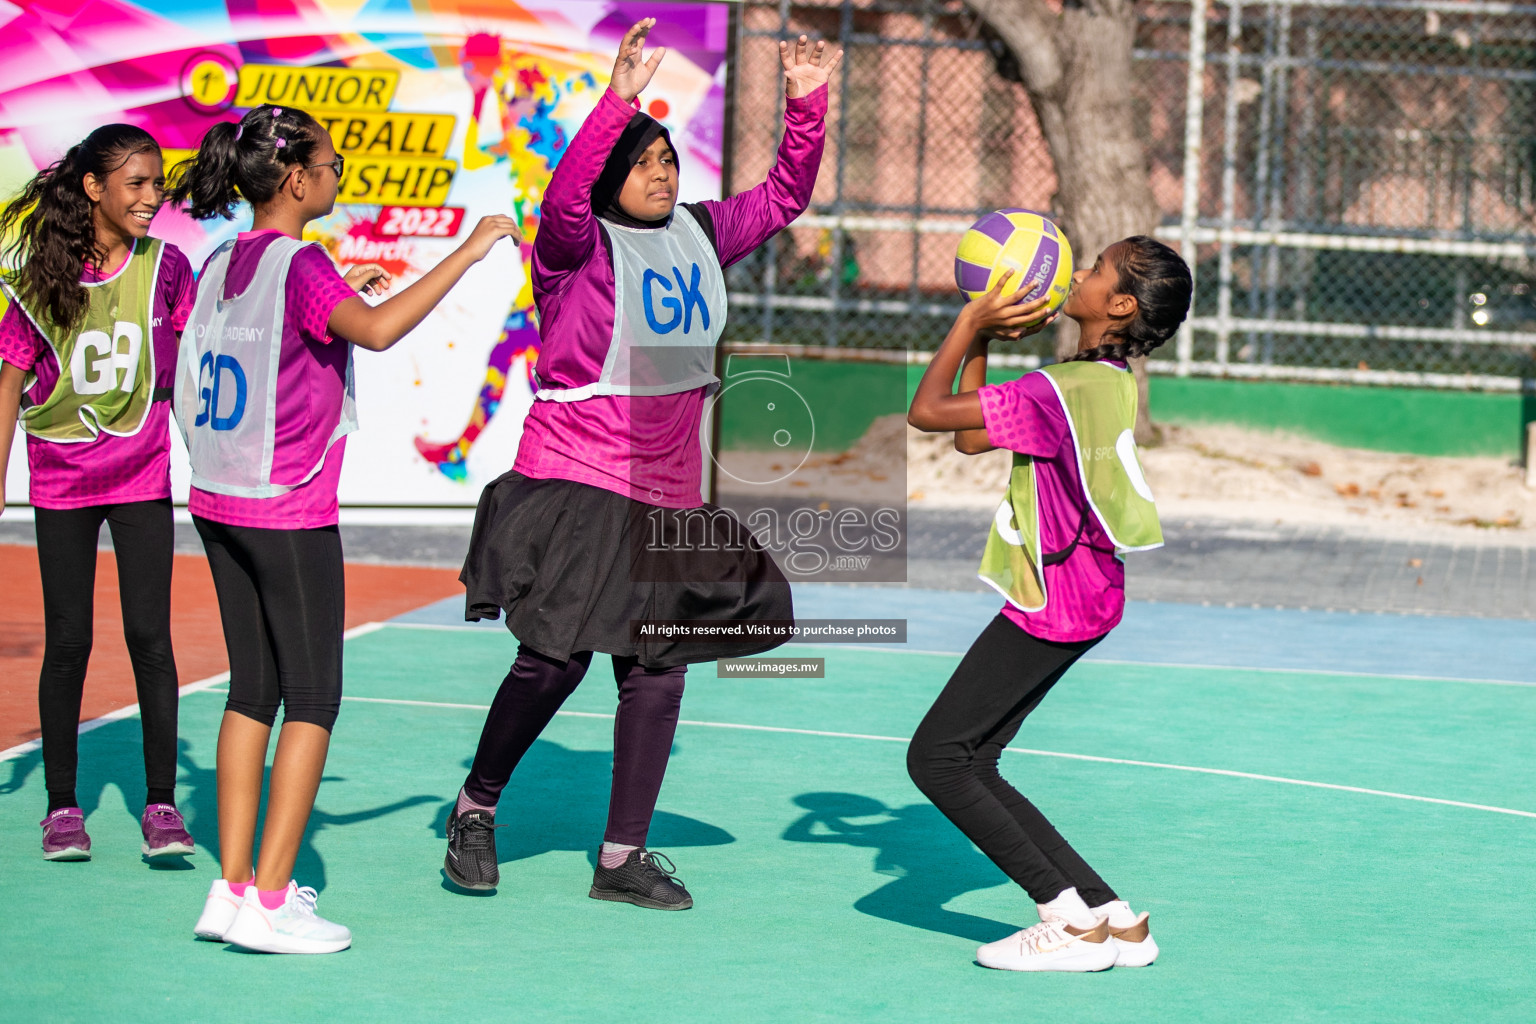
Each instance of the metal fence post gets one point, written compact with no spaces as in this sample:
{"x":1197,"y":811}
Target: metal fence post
{"x":833,"y":336}
{"x":1228,"y":187}
{"x":1194,"y":128}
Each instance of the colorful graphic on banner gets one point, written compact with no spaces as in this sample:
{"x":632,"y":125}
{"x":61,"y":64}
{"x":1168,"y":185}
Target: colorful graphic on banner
{"x":445,"y":110}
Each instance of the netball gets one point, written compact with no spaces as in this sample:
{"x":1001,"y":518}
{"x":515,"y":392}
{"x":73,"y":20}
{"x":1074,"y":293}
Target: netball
{"x":1019,"y":240}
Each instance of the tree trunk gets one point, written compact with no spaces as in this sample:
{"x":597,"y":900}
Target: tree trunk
{"x":1077,"y":70}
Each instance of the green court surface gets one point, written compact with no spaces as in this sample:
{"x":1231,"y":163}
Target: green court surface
{"x":827,"y":888}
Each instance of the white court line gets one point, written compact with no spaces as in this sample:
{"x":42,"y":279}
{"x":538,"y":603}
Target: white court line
{"x":453,"y":627}
{"x":114,"y":716}
{"x":1220,"y":668}
{"x":1012,"y":750}
{"x":133,"y":709}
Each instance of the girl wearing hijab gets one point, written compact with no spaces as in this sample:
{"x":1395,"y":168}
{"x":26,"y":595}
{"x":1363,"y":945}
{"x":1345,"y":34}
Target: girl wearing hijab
{"x":630,"y":290}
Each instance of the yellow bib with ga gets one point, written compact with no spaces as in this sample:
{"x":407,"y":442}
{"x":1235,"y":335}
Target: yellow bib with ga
{"x":1100,"y":405}
{"x":107,"y":364}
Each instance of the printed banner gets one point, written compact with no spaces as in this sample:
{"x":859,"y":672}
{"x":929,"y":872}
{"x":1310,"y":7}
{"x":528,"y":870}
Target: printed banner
{"x":445,"y":110}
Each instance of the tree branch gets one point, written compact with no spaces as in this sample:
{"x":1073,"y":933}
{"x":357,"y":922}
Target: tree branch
{"x":1029,"y":29}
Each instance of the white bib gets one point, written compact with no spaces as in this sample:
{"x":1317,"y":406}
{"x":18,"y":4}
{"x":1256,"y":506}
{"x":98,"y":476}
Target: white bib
{"x":226,"y":378}
{"x":668,"y":313}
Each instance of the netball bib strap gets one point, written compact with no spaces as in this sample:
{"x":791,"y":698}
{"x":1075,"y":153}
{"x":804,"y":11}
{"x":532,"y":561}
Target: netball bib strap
{"x":668,"y":313}
{"x":1100,"y":405}
{"x":107,"y":364}
{"x":227,"y":378}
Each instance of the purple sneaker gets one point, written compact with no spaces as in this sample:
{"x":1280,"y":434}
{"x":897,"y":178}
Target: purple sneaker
{"x":64,"y":835}
{"x":165,"y":834}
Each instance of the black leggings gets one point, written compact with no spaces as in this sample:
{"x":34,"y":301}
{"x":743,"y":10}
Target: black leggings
{"x":282,"y":602}
{"x":536,"y":686}
{"x":143,"y":536}
{"x":953,"y":759}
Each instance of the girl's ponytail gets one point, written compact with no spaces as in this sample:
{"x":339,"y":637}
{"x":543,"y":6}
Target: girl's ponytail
{"x":206,"y":182}
{"x":249,"y":160}
{"x":53,"y":228}
{"x":1160,"y":282}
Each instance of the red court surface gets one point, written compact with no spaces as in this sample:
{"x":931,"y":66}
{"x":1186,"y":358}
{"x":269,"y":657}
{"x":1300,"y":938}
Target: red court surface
{"x":374,"y":592}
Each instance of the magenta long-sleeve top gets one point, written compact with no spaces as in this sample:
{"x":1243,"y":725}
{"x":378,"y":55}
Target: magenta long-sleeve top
{"x":644,"y":447}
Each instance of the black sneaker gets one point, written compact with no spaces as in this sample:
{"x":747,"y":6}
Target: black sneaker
{"x":471,"y":860}
{"x":642,"y":881}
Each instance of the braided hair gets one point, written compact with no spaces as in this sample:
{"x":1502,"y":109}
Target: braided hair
{"x":249,"y":160}
{"x":52,"y":225}
{"x":1159,"y":280}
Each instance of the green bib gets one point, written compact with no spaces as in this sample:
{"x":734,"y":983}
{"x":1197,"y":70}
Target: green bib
{"x":107,"y":364}
{"x":1100,"y":404}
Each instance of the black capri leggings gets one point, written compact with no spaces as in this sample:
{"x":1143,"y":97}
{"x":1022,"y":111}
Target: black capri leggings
{"x":281,"y":599}
{"x":953,"y":759}
{"x":143,"y":536}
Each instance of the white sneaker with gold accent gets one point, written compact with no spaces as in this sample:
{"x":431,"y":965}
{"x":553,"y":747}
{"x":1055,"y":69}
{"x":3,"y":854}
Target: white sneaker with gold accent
{"x":1051,"y":946}
{"x":1130,"y":934}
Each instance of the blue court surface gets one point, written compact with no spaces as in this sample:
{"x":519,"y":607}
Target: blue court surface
{"x":1329,"y":817}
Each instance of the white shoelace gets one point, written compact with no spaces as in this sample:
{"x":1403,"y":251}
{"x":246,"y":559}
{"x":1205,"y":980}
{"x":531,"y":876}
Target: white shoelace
{"x":1045,"y":937}
{"x":303,"y":900}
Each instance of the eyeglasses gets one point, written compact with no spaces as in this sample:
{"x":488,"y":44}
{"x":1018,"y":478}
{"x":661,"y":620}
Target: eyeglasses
{"x":338,"y":165}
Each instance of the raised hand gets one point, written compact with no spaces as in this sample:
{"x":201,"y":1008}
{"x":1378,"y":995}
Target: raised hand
{"x":630,"y":72}
{"x":806,"y":71}
{"x":488,"y":232}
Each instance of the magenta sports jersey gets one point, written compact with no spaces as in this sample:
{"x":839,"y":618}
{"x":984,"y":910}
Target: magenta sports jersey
{"x":643,"y":447}
{"x":311,"y":375}
{"x":110,"y":470}
{"x":1087,"y":591}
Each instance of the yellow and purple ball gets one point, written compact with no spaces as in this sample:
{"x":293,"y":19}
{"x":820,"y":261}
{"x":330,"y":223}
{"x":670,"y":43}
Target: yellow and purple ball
{"x":1022,"y":241}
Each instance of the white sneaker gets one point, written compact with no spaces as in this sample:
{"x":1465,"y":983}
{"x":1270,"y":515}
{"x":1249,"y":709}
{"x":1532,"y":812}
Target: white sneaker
{"x":293,"y":927}
{"x":1051,"y":946}
{"x":219,"y":912}
{"x":1130,"y":933}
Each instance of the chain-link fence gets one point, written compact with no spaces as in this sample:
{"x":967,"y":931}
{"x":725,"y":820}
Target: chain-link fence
{"x":1360,"y":202}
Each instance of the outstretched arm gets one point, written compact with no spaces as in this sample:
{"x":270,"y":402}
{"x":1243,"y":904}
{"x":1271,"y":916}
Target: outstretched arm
{"x":568,"y":230}
{"x":745,"y":221}
{"x":379,"y":327}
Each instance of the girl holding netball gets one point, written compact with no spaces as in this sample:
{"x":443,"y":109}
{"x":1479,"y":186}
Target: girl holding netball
{"x":264,"y":399}
{"x":1076,"y":501}
{"x":88,"y":346}
{"x":630,"y":289}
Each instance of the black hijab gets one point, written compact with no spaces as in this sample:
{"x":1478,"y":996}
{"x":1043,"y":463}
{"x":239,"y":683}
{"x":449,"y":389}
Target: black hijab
{"x":641,"y":131}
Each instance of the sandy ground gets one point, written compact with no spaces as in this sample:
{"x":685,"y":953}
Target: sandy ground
{"x":1222,"y":472}
{"x":1210,"y":472}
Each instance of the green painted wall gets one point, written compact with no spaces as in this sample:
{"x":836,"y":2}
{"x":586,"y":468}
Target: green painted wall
{"x":845,"y":397}
{"x":1418,"y":421}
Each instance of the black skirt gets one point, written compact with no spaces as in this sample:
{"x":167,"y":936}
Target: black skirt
{"x":575,"y":567}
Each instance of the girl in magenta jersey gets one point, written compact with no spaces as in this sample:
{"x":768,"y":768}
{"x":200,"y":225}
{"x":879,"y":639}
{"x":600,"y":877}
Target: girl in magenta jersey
{"x":576,"y":542}
{"x":1076,"y":501}
{"x":88,"y":347}
{"x":263,"y":395}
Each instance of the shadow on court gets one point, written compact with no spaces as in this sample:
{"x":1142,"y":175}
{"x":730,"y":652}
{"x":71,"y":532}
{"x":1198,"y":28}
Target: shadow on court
{"x":558,"y":800}
{"x":112,"y":755}
{"x":931,"y":860}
